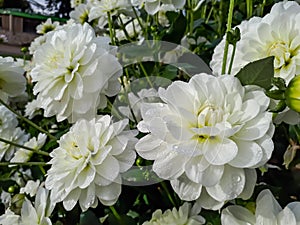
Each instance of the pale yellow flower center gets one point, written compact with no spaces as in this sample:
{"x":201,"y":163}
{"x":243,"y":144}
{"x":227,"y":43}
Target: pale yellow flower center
{"x":282,"y":53}
{"x":209,"y":115}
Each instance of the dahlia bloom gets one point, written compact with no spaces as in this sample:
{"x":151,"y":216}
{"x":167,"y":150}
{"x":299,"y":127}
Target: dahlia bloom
{"x":87,"y":164}
{"x":184,"y":215}
{"x":73,"y":72}
{"x":154,"y":6}
{"x":268,"y":211}
{"x":9,"y":131}
{"x":100,"y":9}
{"x":12,"y":81}
{"x":207,"y":143}
{"x":23,"y":155}
{"x":46,"y":26}
{"x":37,"y":214}
{"x":135,"y":102}
{"x":276,"y":34}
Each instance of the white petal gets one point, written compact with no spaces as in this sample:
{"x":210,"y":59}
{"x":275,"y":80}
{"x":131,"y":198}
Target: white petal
{"x":230,"y":186}
{"x":237,"y":215}
{"x":108,"y":195}
{"x":170,"y":166}
{"x":208,"y":177}
{"x":220,"y":152}
{"x":249,"y":154}
{"x":186,"y":189}
{"x":266,"y":208}
{"x":286,"y":216}
{"x":295,"y":207}
{"x":251,"y":178}
{"x":71,"y":200}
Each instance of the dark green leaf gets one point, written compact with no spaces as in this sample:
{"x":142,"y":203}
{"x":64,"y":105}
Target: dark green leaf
{"x":276,"y":94}
{"x":259,"y":73}
{"x":88,"y":218}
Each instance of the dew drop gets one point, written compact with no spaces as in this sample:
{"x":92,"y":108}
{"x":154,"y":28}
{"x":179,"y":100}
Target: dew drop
{"x":236,"y":179}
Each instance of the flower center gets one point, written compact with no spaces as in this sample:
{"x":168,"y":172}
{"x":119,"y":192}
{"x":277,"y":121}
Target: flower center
{"x":281,"y":52}
{"x":209,"y":115}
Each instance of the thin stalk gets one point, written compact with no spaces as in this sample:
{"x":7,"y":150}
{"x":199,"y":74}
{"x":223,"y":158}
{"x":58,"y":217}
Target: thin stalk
{"x":249,"y":5}
{"x":116,"y":214}
{"x":262,"y":8}
{"x":190,"y":17}
{"x":111,"y":30}
{"x":24,"y":147}
{"x":146,"y":74}
{"x":124,"y":29}
{"x":139,"y":21}
{"x":23,"y":163}
{"x":232,"y":58}
{"x":164,"y":186}
{"x":229,"y":22}
{"x":27,"y":120}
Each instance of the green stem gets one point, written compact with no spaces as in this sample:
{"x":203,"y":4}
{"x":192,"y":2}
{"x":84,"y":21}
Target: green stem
{"x":164,"y":186}
{"x":146,"y":74}
{"x":190,"y":17}
{"x":116,"y":214}
{"x":262,"y":8}
{"x":111,"y":30}
{"x":23,"y":163}
{"x":249,"y":5}
{"x":27,"y":120}
{"x":232,"y":58}
{"x":24,"y":147}
{"x":229,"y":22}
{"x":124,"y":29}
{"x":139,"y":21}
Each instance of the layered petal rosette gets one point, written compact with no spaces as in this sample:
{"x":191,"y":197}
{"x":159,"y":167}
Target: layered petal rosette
{"x":207,"y":137}
{"x":276,"y":34}
{"x":268,"y":211}
{"x":73,"y":72}
{"x":12,"y":81}
{"x":186,"y":214}
{"x":87,"y":164}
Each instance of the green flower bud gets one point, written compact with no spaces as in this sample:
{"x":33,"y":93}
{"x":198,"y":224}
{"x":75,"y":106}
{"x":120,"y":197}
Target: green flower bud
{"x":292,"y":94}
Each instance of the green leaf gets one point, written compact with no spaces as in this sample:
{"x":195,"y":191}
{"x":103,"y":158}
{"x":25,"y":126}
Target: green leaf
{"x":258,"y":73}
{"x":88,"y":218}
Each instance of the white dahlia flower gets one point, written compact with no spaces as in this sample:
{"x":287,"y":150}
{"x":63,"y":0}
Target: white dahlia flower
{"x":37,"y":214}
{"x":12,"y":81}
{"x":46,"y":26}
{"x":81,"y":13}
{"x":154,"y":6}
{"x":185,"y":215}
{"x":100,"y":9}
{"x":87,"y":164}
{"x":74,"y":71}
{"x":276,"y":34}
{"x":268,"y":211}
{"x":23,"y":155}
{"x":208,"y":142}
{"x":135,"y":101}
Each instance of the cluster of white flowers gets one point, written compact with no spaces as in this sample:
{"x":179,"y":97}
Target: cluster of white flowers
{"x":37,"y":214}
{"x":87,"y":165}
{"x":208,"y":143}
{"x":268,"y":211}
{"x":206,"y":136}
